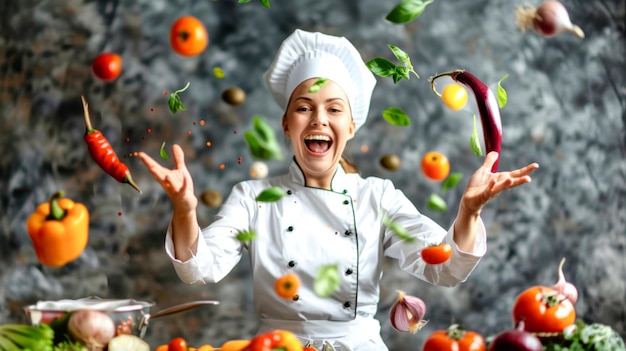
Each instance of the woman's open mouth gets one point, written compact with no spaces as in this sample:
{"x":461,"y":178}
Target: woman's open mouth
{"x":318,"y":143}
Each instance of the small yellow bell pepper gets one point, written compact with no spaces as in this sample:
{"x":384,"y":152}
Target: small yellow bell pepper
{"x":59,"y":230}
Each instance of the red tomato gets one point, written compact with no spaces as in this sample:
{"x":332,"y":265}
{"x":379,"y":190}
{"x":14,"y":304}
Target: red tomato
{"x":436,"y":254}
{"x":454,"y":339}
{"x":543,"y":310}
{"x":188,"y":36}
{"x":107,"y":66}
{"x":177,"y":344}
{"x":435,"y":166}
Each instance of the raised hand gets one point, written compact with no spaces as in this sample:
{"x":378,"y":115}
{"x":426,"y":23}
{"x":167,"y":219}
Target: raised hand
{"x":484,"y":185}
{"x":176,"y":182}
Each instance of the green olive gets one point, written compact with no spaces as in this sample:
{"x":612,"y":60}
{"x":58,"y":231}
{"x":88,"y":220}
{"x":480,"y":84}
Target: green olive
{"x":234,"y":96}
{"x":211,"y":198}
{"x":390,"y":162}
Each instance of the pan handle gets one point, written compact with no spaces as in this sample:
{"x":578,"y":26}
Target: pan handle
{"x":170,"y":310}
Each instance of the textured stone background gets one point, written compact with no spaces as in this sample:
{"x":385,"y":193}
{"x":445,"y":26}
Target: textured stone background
{"x":566,"y":110}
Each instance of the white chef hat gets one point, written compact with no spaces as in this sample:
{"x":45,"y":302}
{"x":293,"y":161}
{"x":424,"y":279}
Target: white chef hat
{"x":304,"y":55}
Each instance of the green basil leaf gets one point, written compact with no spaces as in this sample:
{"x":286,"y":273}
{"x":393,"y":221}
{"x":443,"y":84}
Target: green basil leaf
{"x":395,"y":116}
{"x":271,"y":194}
{"x":327,"y":280}
{"x":266,"y":3}
{"x":437,"y":203}
{"x":174,"y":102}
{"x":163,"y":153}
{"x":398,"y":230}
{"x":502,"y":95}
{"x":403,"y":72}
{"x":381,"y":67}
{"x":244,"y":1}
{"x":400,"y":55}
{"x":319,"y":83}
{"x":475,"y":142}
{"x":451,"y":181}
{"x":407,"y":11}
{"x":246,"y":235}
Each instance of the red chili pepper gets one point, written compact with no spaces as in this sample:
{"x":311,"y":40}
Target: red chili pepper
{"x":102,"y":152}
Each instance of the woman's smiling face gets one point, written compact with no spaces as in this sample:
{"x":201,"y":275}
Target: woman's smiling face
{"x":319,"y":125}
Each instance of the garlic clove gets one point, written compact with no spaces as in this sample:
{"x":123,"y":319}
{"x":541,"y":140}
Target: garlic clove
{"x":565,"y":288}
{"x":407,"y":313}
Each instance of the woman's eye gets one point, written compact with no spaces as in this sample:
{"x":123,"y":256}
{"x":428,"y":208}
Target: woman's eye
{"x":303,"y":109}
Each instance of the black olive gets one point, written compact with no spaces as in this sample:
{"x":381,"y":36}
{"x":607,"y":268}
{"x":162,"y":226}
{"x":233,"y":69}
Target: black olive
{"x":234,"y":96}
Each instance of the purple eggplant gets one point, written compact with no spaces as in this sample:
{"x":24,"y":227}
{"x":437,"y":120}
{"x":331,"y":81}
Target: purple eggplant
{"x":487,"y":107}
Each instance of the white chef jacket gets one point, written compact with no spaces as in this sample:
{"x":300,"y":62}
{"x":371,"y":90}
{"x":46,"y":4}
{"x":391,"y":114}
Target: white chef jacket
{"x":311,"y":227}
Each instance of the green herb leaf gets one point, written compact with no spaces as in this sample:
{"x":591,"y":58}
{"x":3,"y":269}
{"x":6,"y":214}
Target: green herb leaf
{"x":395,"y":116}
{"x":271,"y":194}
{"x":437,"y":203}
{"x":451,"y":181}
{"x":327,"y":280}
{"x":398,"y":230}
{"x":319,"y":83}
{"x":475,"y":142}
{"x":163,"y":153}
{"x":502,"y":95}
{"x":407,"y":11}
{"x":174,"y":102}
{"x":404,"y":58}
{"x":266,"y":3}
{"x":262,"y":140}
{"x":246,"y":235}
{"x":381,"y":67}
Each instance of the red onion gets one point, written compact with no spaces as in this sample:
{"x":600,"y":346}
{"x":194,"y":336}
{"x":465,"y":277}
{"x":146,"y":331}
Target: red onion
{"x":91,"y":327}
{"x":548,"y":19}
{"x":407,"y":312}
{"x":516,"y":340}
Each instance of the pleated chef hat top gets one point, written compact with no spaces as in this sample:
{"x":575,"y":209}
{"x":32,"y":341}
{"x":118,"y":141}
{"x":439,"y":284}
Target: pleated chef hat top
{"x":304,"y":55}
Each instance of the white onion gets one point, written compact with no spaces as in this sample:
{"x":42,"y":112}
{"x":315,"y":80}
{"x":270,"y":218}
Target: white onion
{"x":91,"y":327}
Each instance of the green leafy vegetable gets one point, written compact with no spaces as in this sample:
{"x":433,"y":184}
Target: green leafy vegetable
{"x":327,"y":280}
{"x":475,"y":142}
{"x":246,"y":235}
{"x":395,"y":116}
{"x":271,"y":194}
{"x":70,"y":346}
{"x":319,"y":83}
{"x":451,"y":181}
{"x":407,"y":10}
{"x":437,"y":203}
{"x":26,"y":337}
{"x":174,"y":102}
{"x":265,"y":3}
{"x":384,"y":68}
{"x":262,"y":140}
{"x":586,"y":337}
{"x":502,"y":95}
{"x":163,"y":153}
{"x":399,"y":230}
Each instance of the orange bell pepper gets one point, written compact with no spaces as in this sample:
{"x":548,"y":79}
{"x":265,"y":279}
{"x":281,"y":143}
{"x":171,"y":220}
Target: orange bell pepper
{"x":275,"y":340}
{"x":59,"y":230}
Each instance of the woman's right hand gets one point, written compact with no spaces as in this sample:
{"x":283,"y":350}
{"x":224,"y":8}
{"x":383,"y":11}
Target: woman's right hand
{"x":176,"y":182}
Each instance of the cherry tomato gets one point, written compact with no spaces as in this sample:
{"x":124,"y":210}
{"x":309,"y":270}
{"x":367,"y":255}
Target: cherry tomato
{"x":107,"y":66}
{"x":454,"y":96}
{"x":436,"y":254}
{"x":435,"y":166}
{"x":454,"y":339}
{"x":177,"y":344}
{"x":543,"y":310}
{"x":188,"y":36}
{"x":287,"y":285}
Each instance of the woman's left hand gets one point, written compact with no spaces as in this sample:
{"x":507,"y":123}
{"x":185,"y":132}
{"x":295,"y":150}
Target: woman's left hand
{"x":485,"y":185}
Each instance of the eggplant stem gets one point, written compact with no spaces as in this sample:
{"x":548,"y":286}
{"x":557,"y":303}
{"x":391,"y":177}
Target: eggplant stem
{"x":452,"y":75}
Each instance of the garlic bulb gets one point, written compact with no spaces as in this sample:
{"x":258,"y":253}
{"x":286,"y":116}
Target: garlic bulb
{"x":564,"y":287}
{"x":407,"y":312}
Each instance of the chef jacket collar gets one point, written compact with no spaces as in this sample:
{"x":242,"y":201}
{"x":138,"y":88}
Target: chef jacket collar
{"x":338,"y":184}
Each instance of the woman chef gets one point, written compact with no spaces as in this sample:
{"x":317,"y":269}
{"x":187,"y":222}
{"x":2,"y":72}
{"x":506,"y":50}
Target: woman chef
{"x":329,"y":216}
